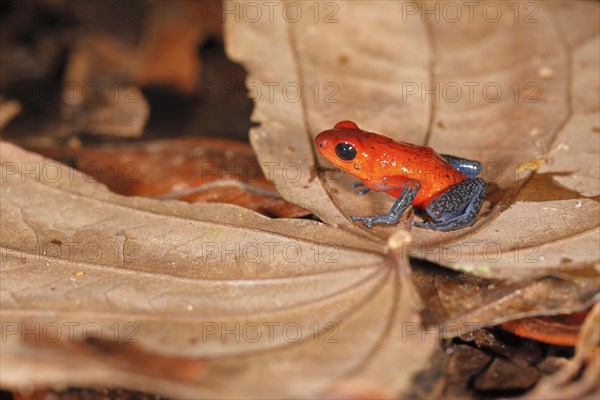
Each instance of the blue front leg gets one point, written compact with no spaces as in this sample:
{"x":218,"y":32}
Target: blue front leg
{"x":362,"y":191}
{"x":403,"y":201}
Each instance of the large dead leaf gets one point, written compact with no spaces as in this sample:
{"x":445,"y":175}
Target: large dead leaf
{"x":184,"y":299}
{"x":380,"y":73}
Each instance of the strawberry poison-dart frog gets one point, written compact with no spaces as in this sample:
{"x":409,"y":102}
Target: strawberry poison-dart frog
{"x":442,"y":185}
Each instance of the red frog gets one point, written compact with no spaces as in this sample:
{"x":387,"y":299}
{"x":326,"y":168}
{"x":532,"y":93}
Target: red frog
{"x":444,"y":186}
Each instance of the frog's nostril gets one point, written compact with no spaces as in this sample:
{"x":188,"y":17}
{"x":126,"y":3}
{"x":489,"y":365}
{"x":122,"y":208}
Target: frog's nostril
{"x":320,"y":144}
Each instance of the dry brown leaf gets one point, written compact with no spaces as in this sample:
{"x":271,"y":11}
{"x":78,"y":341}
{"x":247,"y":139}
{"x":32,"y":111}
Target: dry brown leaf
{"x":97,"y":96}
{"x":547,"y":115}
{"x":166,"y":281}
{"x":102,"y":94}
{"x":458,"y":303}
{"x":209,"y":170}
{"x":172,"y":33}
{"x":561,"y":329}
{"x":8,"y":110}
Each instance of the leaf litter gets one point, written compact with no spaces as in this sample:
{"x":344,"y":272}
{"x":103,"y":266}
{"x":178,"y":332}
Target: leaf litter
{"x":155,"y":256}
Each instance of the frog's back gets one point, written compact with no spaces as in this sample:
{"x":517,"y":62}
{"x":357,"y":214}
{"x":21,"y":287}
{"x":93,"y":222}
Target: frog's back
{"x":418,"y":163}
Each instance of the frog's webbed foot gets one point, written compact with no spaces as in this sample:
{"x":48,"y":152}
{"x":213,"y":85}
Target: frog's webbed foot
{"x":361,"y":192}
{"x":456,"y":208}
{"x":450,"y":225}
{"x":439,"y":226}
{"x":400,"y":205}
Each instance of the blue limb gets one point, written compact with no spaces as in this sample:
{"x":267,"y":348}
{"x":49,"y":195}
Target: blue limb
{"x":457,"y":207}
{"x":362,"y":191}
{"x":468,"y":167}
{"x":400,"y":205}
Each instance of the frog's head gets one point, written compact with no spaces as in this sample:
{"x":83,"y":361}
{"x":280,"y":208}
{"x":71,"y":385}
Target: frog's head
{"x":346,"y":146}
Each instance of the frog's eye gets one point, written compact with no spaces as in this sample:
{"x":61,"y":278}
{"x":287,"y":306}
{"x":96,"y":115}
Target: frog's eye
{"x":345,"y":151}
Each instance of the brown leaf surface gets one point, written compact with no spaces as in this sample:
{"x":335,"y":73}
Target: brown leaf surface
{"x":458,"y":303}
{"x":191,"y":284}
{"x":209,"y":170}
{"x":547,"y":115}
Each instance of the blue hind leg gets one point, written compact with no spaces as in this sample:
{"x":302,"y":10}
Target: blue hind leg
{"x":457,"y":207}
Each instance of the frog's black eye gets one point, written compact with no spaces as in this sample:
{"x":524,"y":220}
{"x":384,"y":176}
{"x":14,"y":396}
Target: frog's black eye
{"x":345,"y":151}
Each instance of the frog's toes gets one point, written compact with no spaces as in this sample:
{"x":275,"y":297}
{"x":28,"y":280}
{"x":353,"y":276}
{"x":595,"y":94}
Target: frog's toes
{"x":367,"y":221}
{"x":376,"y":219}
{"x":364,"y":189}
{"x":424,"y":225}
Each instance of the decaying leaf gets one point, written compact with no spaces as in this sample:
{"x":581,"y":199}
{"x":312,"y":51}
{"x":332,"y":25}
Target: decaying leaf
{"x":510,"y":94}
{"x":458,"y":303}
{"x":102,"y":79}
{"x":561,"y":329}
{"x":98,"y":97}
{"x":217,"y":292}
{"x":211,"y":170}
{"x":488,"y":363}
